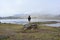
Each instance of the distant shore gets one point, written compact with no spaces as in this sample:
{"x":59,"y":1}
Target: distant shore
{"x":40,"y":23}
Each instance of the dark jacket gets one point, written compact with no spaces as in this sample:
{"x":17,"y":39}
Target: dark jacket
{"x":29,"y":18}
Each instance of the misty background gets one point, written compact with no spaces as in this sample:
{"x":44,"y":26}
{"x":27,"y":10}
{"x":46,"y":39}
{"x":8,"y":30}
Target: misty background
{"x":35,"y":8}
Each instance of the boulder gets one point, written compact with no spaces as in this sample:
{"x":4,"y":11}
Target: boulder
{"x":30,"y":26}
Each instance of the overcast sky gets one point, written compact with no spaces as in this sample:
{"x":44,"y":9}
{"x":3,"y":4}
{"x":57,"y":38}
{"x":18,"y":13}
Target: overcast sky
{"x":11,"y":7}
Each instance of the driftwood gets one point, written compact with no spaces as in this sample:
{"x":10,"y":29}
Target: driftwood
{"x":30,"y":26}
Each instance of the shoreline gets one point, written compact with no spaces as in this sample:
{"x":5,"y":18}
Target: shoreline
{"x":47,"y":23}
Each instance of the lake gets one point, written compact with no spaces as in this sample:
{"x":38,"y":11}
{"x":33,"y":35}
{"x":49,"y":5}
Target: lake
{"x":24,"y":21}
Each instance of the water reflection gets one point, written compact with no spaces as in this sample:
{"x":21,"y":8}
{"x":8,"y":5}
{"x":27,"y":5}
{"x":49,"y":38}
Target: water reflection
{"x":24,"y":21}
{"x":54,"y":25}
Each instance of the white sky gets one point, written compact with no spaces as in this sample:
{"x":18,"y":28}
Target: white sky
{"x":11,"y":7}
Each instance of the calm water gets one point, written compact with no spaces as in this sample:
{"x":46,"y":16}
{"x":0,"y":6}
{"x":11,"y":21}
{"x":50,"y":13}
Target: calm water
{"x":24,"y":21}
{"x":54,"y":25}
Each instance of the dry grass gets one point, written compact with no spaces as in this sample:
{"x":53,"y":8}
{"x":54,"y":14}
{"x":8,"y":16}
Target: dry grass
{"x":16,"y":32}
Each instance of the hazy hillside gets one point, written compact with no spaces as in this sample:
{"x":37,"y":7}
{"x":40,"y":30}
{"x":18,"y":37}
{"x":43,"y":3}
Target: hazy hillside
{"x":40,"y":16}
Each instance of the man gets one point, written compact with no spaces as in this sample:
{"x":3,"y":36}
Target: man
{"x":29,"y":18}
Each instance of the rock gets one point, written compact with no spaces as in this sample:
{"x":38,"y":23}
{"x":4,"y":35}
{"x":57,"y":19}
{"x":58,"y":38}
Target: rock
{"x":4,"y":36}
{"x":30,"y":26}
{"x":0,"y":22}
{"x":34,"y":26}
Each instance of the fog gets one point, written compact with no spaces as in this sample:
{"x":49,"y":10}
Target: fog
{"x":12,"y":7}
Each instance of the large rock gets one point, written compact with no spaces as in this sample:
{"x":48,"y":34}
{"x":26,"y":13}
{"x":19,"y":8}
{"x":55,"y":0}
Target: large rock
{"x":30,"y":26}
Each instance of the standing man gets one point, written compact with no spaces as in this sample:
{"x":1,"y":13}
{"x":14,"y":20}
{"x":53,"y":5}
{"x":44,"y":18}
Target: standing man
{"x":29,"y":18}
